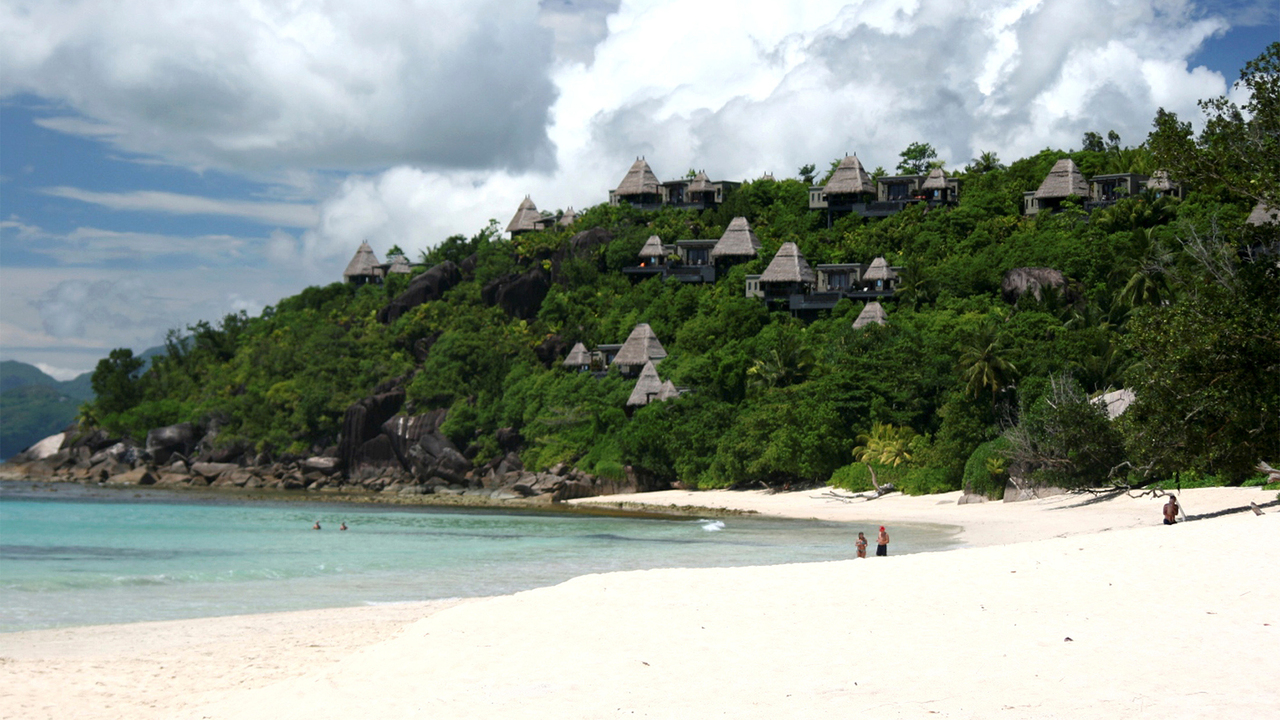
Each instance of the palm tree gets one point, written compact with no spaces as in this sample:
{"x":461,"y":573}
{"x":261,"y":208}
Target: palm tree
{"x":886,"y":444}
{"x":780,"y":368}
{"x":985,"y":163}
{"x":983,"y":365}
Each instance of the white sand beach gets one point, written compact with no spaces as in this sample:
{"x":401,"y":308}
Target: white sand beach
{"x":1059,"y":608}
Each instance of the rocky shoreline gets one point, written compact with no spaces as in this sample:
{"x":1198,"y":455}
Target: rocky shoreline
{"x":384,"y":455}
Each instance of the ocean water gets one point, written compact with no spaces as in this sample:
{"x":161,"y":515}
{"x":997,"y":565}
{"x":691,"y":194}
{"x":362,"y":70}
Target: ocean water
{"x":77,"y":555}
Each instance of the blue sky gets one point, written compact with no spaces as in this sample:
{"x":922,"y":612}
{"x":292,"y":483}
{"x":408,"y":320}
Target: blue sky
{"x":217,"y":157}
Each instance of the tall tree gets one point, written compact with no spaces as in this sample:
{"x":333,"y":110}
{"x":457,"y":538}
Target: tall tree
{"x":918,"y":159}
{"x":1239,"y":147}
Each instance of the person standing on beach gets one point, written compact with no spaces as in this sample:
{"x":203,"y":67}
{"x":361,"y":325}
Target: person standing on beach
{"x":882,"y":543}
{"x":862,"y":545}
{"x":1171,"y":511}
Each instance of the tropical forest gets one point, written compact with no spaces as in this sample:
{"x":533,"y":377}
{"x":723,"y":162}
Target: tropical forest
{"x":1173,"y":298}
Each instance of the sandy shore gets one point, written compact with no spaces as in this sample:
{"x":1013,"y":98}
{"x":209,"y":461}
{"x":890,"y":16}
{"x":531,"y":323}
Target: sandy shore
{"x":1059,"y":609}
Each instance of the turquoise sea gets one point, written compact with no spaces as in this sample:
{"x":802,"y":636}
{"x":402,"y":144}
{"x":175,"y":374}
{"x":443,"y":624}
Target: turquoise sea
{"x":84,"y":555}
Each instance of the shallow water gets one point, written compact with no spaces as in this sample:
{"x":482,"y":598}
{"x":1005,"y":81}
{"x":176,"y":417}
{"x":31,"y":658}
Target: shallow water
{"x":76,"y":555}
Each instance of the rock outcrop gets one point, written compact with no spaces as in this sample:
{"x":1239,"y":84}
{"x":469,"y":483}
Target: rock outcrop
{"x":1020,"y":281}
{"x":430,"y":285}
{"x":519,"y":295}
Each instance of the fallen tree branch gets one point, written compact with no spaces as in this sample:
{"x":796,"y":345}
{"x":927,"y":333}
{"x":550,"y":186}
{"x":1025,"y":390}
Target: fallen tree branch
{"x":880,"y":491}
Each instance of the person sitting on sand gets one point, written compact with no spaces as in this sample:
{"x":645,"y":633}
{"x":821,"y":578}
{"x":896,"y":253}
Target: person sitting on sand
{"x":882,"y":543}
{"x":862,"y":545}
{"x":316,"y":526}
{"x":1171,"y":511}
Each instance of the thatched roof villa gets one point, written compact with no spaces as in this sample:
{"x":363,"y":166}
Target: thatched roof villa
{"x":871,"y":313}
{"x":526,"y":219}
{"x":363,"y":267}
{"x":737,"y":243}
{"x":639,"y":187}
{"x":648,"y":386}
{"x":653,"y":252}
{"x":849,"y":180}
{"x":578,"y":358}
{"x":642,"y":346}
{"x":788,"y":274}
{"x":1063,"y":181}
{"x":937,"y":187}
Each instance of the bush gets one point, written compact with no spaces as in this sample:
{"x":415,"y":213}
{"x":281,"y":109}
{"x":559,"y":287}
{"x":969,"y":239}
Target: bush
{"x":929,"y":481}
{"x":856,"y":477}
{"x":978,"y":476}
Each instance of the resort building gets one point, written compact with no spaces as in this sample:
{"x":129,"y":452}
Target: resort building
{"x":651,"y":388}
{"x":648,"y":387}
{"x":1063,"y":181}
{"x":872,"y":314}
{"x":851,"y":190}
{"x":364,"y":267}
{"x":789,"y":281}
{"x":641,"y":189}
{"x":788,"y":274}
{"x":687,"y":261}
{"x":642,"y":346}
{"x":528,"y":219}
{"x":578,"y":359}
{"x":738,"y":244}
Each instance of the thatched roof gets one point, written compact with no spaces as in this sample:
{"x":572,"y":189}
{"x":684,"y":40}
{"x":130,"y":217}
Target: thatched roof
{"x":701,"y":183}
{"x":362,"y":264}
{"x":872,"y":313}
{"x":1064,"y":180}
{"x":937,"y":180}
{"x":578,"y":356}
{"x":647,"y":388}
{"x":526,"y":217}
{"x":398,"y":264}
{"x":639,"y":180}
{"x":568,"y":217}
{"x":652,"y":247}
{"x":668,"y":391}
{"x":850,"y":178}
{"x":1263,"y":215}
{"x":879,"y":270}
{"x":788,"y":265}
{"x":737,"y":241}
{"x":642,"y":346}
{"x":1160,"y":181}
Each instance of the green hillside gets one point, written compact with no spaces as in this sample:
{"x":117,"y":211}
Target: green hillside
{"x":30,"y":413}
{"x":1174,"y":299}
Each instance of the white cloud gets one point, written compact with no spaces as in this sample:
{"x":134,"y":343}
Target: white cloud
{"x":286,"y":214}
{"x":59,"y":373}
{"x":775,"y":86}
{"x":254,"y":85}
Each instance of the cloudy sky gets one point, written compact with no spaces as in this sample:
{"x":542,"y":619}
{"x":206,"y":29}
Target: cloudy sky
{"x":167,"y":161}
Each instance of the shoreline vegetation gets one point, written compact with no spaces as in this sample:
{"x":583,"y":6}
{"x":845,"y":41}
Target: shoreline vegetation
{"x":1046,"y":613}
{"x":354,"y":497}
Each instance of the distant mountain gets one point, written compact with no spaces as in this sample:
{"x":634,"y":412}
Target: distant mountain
{"x":34,"y":406}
